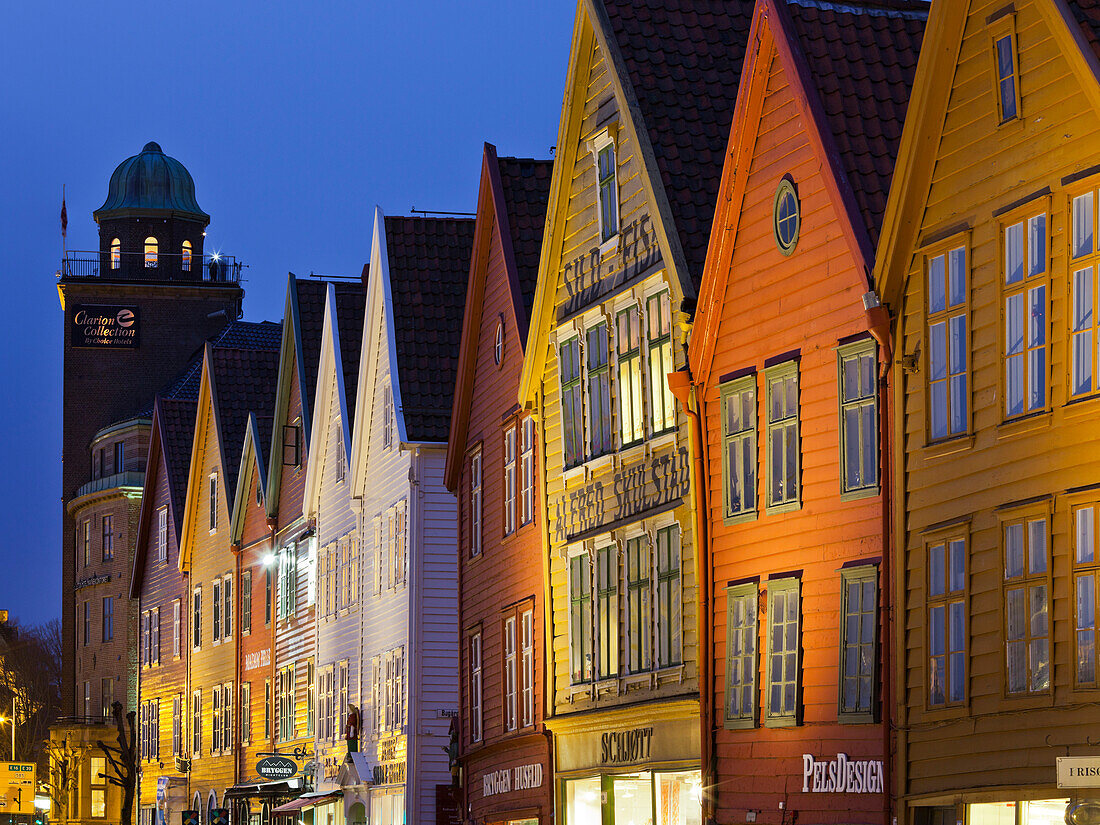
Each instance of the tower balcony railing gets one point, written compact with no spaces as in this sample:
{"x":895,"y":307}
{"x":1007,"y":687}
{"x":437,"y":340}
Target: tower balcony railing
{"x":143,"y":266}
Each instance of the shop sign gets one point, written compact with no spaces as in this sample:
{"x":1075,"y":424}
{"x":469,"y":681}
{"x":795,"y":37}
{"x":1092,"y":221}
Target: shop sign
{"x":1078,"y":771}
{"x":625,"y":746}
{"x":671,"y":740}
{"x":389,"y":773}
{"x":841,"y":775}
{"x":588,"y":278}
{"x":102,"y":325}
{"x":257,"y":658}
{"x":636,"y":489}
{"x":519,"y":778}
{"x":276,"y":767}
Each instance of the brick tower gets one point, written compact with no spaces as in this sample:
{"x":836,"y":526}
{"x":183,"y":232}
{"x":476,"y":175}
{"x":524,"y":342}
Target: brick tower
{"x":137,"y":311}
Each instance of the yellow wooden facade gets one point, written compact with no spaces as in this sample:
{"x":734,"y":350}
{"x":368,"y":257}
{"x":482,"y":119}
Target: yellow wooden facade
{"x":984,"y":189}
{"x":631,"y":489}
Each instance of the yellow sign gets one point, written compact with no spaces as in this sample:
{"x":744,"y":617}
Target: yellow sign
{"x":17,"y":787}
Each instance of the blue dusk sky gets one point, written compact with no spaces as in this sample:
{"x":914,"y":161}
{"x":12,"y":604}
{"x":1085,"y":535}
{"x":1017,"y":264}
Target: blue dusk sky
{"x":295,"y":120}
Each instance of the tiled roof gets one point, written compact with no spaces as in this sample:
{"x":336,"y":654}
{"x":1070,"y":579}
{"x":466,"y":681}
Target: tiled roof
{"x":250,"y":335}
{"x":526,"y":185}
{"x":429,"y":261}
{"x":244,"y":381}
{"x":1087,"y":13}
{"x":311,"y":322}
{"x":862,"y":57}
{"x":684,"y":58}
{"x":177,"y":428}
{"x":351,"y":299}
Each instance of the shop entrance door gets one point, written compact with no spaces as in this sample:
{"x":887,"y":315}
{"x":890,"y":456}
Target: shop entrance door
{"x":631,"y":801}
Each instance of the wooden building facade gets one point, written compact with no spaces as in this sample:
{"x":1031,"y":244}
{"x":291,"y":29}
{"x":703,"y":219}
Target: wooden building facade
{"x":988,"y":264}
{"x":785,"y":359}
{"x":492,"y":460}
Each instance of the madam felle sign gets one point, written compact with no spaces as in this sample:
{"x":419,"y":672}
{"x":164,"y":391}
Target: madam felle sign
{"x":104,"y":325}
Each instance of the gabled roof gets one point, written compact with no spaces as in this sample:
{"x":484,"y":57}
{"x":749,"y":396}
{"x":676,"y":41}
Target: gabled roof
{"x":311,"y":317}
{"x":257,"y":433}
{"x":851,"y":66}
{"x":1075,"y":28}
{"x":513,"y":194}
{"x":351,"y":301}
{"x":428,"y":261}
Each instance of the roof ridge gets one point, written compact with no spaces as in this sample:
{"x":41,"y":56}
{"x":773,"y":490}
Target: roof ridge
{"x":913,"y":9}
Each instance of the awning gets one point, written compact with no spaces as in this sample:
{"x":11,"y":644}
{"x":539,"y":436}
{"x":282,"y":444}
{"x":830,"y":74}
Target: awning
{"x":307,"y":800}
{"x":265,"y":789}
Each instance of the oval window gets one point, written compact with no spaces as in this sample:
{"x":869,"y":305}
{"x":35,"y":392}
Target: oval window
{"x":786,"y":219}
{"x":498,"y":343}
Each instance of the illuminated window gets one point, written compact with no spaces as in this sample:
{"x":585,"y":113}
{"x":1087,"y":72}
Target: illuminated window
{"x":661,"y":403}
{"x":1026,"y":600}
{"x":150,"y":253}
{"x":947,"y":647}
{"x":599,"y":389}
{"x":948,"y":395}
{"x":116,"y":253}
{"x":607,"y":610}
{"x":1025,"y":308}
{"x":185,"y":262}
{"x":639,"y":613}
{"x":669,"y":585}
{"x":629,"y":351}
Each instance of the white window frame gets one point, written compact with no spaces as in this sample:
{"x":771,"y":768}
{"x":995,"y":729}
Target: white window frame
{"x":476,"y":685}
{"x":581,"y":607}
{"x":781,"y":432}
{"x":781,"y":716}
{"x":527,"y":655}
{"x":527,"y":470}
{"x":162,"y":534}
{"x":947,"y":330}
{"x":476,"y":492}
{"x":1025,"y":302}
{"x":510,"y":705}
{"x":509,"y":455}
{"x":213,"y":503}
{"x":607,"y":234}
{"x":196,"y":618}
{"x":856,"y":404}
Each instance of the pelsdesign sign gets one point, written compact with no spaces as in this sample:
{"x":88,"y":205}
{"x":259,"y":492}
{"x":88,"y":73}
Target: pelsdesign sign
{"x":638,"y":489}
{"x":841,"y":775}
{"x":104,"y":325}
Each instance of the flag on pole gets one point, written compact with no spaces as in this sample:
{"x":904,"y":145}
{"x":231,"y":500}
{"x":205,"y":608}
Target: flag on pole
{"x":64,"y":215}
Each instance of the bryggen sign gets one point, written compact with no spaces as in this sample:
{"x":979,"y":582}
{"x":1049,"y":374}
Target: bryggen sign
{"x":637,"y":488}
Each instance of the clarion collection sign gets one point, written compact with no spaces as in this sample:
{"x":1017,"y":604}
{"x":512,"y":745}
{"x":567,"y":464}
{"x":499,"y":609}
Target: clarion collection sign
{"x":103,"y":325}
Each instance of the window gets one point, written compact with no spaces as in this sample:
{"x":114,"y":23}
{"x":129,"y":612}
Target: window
{"x":858,"y":416}
{"x":1086,"y":573}
{"x":1007,"y":94}
{"x":475,"y":503}
{"x":572,"y":414}
{"x":107,"y":695}
{"x":475,"y":687}
{"x":580,"y":618}
{"x":196,"y":616}
{"x":948,"y":396}
{"x":738,"y":410}
{"x":267,"y":595}
{"x":343,"y":698}
{"x":176,"y":628}
{"x":185,"y":262}
{"x":227,"y":608}
{"x":510,"y":480}
{"x":108,"y":618}
{"x":213,"y":502}
{"x":340,"y":458}
{"x":108,"y":542}
{"x":246,"y":712}
{"x":389,"y":690}
{"x":498,"y":342}
{"x":607,"y":610}
{"x":216,"y":727}
{"x":1084,"y":337}
{"x":1026,"y":600}
{"x":783,"y":447}
{"x":116,"y":253}
{"x":741,"y":666}
{"x":87,"y":541}
{"x":784,"y":640}
{"x":284,"y":700}
{"x":629,"y":360}
{"x":608,"y":187}
{"x":162,"y":534}
{"x":661,"y":403}
{"x":99,"y":802}
{"x":527,"y":688}
{"x":668,"y":596}
{"x":120,"y":457}
{"x":267,"y":708}
{"x":1025,"y":306}
{"x":527,"y":471}
{"x":87,"y":699}
{"x":511,"y":676}
{"x":246,"y":602}
{"x":326,"y":727}
{"x":311,"y":698}
{"x":177,"y":725}
{"x":639,"y":614}
{"x":196,"y":723}
{"x":786,"y":217}
{"x":397,"y":544}
{"x":858,"y":643}
{"x":154,"y":636}
{"x":227,"y":716}
{"x":143,"y":643}
{"x":947,"y":622}
{"x":87,"y":623}
{"x":150,"y":253}
{"x":387,"y":417}
{"x":216,"y":610}
{"x":287,"y":590}
{"x":599,"y":389}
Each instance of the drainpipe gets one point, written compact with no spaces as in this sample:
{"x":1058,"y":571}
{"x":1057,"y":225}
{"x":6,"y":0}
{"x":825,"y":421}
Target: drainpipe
{"x":878,"y":323}
{"x":236,"y":549}
{"x":686,"y":393}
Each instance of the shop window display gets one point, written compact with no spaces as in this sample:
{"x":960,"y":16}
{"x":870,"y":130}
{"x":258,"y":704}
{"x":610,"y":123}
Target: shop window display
{"x":1033,"y":812}
{"x":641,"y":798}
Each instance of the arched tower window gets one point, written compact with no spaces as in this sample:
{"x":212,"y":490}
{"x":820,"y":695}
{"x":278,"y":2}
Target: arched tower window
{"x":116,"y":253}
{"x":187,"y":256}
{"x":150,"y":252}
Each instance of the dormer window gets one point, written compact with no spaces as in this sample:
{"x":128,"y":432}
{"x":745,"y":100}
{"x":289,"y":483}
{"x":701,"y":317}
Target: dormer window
{"x":150,"y":253}
{"x":498,"y":342}
{"x":1005,"y":66}
{"x":603,"y":147}
{"x":116,"y":254}
{"x":185,"y":263}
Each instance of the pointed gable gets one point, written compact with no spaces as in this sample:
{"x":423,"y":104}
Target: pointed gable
{"x":525,"y":187}
{"x":428,"y":261}
{"x":351,"y":301}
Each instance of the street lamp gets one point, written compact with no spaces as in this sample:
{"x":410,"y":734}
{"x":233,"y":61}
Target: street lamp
{"x":11,"y":719}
